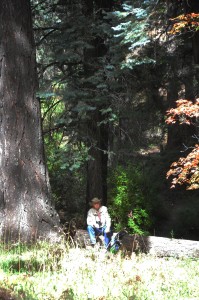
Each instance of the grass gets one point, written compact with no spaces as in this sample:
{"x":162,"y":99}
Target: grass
{"x":46,"y":272}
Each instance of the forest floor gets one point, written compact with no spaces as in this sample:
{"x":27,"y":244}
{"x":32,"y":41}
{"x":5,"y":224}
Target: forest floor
{"x":46,"y":272}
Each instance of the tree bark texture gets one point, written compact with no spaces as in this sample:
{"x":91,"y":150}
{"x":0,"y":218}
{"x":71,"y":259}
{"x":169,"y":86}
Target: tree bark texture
{"x":154,"y":245}
{"x":26,"y":211}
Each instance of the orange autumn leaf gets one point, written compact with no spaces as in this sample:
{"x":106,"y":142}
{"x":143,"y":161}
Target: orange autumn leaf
{"x":185,"y":21}
{"x":186,"y":170}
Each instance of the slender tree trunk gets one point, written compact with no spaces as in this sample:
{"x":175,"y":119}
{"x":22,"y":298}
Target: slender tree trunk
{"x":174,"y":140}
{"x":192,"y":6}
{"x":98,"y":134}
{"x":97,"y":165}
{"x":26,"y":211}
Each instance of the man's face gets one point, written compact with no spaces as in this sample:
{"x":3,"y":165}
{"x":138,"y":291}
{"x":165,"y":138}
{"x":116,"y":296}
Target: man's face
{"x":96,"y":205}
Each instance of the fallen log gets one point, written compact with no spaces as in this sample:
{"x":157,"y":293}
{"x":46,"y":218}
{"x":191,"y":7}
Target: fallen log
{"x":159,"y":246}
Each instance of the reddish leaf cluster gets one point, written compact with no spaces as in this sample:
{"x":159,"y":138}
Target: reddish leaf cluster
{"x":185,"y":21}
{"x":186,"y":170}
{"x":184,"y":113}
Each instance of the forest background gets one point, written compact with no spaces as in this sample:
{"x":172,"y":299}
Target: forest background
{"x":108,"y":72}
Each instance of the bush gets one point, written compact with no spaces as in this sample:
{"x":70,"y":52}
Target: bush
{"x":129,"y":203}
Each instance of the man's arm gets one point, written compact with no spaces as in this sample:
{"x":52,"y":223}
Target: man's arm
{"x":90,"y":218}
{"x":108,"y":221}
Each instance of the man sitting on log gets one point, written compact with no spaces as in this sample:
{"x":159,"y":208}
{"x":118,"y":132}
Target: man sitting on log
{"x":99,"y":222}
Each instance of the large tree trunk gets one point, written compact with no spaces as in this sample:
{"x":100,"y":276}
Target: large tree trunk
{"x":154,"y":245}
{"x":26,"y":211}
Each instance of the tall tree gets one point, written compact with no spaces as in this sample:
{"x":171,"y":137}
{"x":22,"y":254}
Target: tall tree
{"x":96,"y":127}
{"x":26,"y":211}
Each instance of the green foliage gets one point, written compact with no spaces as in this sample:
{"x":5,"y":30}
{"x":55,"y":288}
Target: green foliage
{"x":130,"y":35}
{"x":66,"y":156}
{"x":128,"y":203}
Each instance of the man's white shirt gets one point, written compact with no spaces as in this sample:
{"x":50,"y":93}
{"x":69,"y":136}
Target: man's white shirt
{"x":99,"y":218}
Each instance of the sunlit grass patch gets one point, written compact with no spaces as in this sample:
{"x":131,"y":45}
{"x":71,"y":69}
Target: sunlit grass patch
{"x":49,"y":272}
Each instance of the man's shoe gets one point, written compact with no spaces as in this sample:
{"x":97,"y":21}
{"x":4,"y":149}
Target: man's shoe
{"x":95,"y":246}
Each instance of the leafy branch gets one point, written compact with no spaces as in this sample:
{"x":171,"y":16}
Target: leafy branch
{"x":186,"y":170}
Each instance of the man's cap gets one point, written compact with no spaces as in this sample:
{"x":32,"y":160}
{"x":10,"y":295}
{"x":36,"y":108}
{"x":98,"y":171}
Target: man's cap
{"x":95,"y":200}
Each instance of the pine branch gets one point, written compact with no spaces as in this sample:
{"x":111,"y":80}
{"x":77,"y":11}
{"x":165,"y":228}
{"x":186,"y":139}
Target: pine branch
{"x":44,"y":37}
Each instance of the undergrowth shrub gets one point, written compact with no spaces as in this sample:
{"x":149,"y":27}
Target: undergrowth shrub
{"x":129,"y":200}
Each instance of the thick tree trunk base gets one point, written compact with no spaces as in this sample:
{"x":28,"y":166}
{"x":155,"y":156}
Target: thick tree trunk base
{"x":159,"y":246}
{"x":6,"y":294}
{"x":27,"y":212}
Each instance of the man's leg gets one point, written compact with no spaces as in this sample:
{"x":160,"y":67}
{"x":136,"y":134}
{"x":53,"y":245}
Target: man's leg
{"x":91,"y":232}
{"x":107,"y":236}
